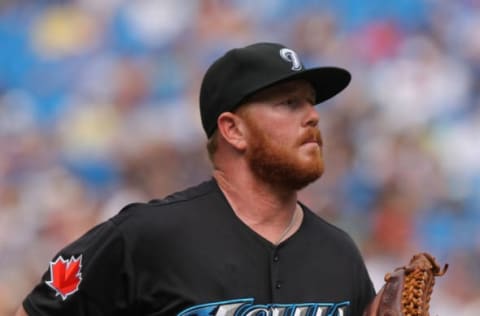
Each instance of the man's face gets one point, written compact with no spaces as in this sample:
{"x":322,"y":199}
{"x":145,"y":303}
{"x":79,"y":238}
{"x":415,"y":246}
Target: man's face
{"x":284,"y":143}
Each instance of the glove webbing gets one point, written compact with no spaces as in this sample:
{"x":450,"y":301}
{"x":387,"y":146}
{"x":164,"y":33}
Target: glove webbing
{"x":418,"y":287}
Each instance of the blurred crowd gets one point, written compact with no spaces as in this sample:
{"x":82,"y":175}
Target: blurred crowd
{"x":99,"y":108}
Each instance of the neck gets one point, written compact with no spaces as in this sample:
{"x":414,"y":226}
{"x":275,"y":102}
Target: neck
{"x":267,"y":210}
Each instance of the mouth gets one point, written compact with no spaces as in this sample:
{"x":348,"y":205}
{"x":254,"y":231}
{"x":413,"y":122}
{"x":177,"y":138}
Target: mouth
{"x":312,"y":137}
{"x":313,"y":140}
{"x":312,"y":144}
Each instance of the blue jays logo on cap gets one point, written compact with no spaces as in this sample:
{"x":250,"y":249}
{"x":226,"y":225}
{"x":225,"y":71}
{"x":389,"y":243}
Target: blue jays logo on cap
{"x":292,"y":57}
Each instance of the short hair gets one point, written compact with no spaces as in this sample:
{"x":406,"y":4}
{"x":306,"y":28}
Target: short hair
{"x":212,"y":145}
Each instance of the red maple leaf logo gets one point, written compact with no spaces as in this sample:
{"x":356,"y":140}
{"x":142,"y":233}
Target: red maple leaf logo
{"x":65,"y":275}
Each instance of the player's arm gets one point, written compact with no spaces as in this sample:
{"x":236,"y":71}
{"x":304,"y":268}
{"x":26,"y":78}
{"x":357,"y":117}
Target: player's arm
{"x":88,"y":277}
{"x":21,"y":312}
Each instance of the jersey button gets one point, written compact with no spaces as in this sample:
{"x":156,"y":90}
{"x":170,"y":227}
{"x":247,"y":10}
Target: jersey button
{"x":275,"y":258}
{"x":278,"y":285}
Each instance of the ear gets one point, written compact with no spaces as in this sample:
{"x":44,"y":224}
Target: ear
{"x":232,"y":128}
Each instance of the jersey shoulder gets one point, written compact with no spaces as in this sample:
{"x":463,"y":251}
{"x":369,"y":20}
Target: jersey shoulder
{"x":325,"y":230}
{"x":181,"y":204}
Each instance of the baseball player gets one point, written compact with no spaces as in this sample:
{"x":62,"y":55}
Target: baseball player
{"x":240,"y":243}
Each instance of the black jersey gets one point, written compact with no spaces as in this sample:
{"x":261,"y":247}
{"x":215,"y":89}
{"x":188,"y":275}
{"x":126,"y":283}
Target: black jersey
{"x":189,"y":254}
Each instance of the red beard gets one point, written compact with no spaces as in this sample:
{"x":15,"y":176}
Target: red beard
{"x":279,"y":166}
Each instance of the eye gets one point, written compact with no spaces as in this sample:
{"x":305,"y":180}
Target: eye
{"x":290,"y":101}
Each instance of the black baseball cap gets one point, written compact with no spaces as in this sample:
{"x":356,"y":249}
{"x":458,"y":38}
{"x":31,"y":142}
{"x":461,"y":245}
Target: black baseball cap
{"x":242,"y":72}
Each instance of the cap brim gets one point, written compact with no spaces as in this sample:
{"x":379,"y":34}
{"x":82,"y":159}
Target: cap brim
{"x":327,"y":81}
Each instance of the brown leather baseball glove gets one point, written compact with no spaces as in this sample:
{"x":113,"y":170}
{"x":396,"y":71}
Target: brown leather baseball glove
{"x":408,"y":289}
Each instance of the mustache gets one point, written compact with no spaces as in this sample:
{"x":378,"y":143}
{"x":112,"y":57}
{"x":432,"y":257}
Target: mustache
{"x":311,"y":135}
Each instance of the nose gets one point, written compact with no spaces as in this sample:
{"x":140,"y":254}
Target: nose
{"x":312,"y":117}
